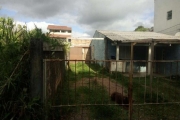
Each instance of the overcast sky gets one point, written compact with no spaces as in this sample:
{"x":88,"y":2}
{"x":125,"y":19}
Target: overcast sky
{"x":84,"y":16}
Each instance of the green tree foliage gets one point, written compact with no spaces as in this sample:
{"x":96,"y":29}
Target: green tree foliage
{"x":143,"y":29}
{"x":14,"y":70}
{"x":15,"y":100}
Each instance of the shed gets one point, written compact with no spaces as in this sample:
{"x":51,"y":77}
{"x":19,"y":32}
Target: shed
{"x":147,"y":46}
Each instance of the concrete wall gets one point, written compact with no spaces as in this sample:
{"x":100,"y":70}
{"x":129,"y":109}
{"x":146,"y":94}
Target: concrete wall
{"x":75,"y":53}
{"x":80,"y":53}
{"x":161,"y":24}
{"x":80,"y":49}
{"x":98,"y":47}
{"x":80,"y":42}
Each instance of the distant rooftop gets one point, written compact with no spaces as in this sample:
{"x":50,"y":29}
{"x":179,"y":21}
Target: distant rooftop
{"x":56,"y":27}
{"x":138,"y":36}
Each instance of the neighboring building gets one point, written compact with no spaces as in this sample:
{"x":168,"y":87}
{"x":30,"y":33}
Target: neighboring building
{"x":80,"y":49}
{"x":167,"y":21}
{"x":147,"y":46}
{"x":167,"y":16}
{"x":61,"y":32}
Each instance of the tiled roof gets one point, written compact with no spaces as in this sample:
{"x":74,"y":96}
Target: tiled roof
{"x":55,"y":27}
{"x":138,"y":36}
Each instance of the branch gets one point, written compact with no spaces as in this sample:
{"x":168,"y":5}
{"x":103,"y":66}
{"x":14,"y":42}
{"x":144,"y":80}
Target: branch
{"x":18,"y":64}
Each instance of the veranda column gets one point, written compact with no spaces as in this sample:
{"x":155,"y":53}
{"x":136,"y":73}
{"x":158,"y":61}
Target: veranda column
{"x":117,"y":52}
{"x":150,"y":58}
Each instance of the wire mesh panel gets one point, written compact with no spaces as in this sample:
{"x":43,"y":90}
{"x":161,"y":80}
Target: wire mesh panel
{"x":90,"y":90}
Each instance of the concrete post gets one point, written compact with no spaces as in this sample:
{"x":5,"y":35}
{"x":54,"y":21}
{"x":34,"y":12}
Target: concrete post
{"x":150,"y":57}
{"x":117,"y":52}
{"x":36,"y":55}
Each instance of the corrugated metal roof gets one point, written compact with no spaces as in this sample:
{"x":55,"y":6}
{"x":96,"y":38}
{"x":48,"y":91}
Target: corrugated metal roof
{"x":139,"y":36}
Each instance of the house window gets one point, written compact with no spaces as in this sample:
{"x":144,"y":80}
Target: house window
{"x":54,"y":30}
{"x":169,"y":15}
{"x":69,"y":40}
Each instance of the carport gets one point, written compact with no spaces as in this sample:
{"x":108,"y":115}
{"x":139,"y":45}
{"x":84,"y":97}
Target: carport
{"x":150,"y":40}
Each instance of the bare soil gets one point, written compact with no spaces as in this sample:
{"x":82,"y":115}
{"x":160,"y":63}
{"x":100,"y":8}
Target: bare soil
{"x":110,"y":84}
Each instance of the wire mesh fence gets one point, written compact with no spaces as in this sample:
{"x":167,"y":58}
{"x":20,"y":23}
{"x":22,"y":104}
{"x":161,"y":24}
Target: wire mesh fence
{"x":100,"y":89}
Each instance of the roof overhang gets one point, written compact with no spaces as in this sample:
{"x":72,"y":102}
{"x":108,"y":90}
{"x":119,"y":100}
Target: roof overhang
{"x":140,"y":37}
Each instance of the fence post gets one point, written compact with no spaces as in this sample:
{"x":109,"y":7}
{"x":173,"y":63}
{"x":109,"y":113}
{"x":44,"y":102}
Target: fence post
{"x":36,"y":55}
{"x":130,"y":83}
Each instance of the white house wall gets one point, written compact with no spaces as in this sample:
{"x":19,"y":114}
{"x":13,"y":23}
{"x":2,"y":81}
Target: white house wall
{"x":161,"y":24}
{"x":171,"y":27}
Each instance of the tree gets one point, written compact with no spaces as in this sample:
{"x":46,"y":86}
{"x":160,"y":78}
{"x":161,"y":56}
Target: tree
{"x":15,"y":102}
{"x":143,"y":29}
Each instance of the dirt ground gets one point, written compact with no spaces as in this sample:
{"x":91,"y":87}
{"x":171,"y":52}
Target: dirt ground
{"x":110,"y":84}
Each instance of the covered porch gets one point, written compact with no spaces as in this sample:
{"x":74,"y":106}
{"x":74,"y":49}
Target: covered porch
{"x":144,"y":52}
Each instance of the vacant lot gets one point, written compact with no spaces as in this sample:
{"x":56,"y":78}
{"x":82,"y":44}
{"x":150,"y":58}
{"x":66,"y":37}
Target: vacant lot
{"x":85,"y":94}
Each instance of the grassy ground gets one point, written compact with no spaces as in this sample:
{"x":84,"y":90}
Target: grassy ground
{"x":149,"y":96}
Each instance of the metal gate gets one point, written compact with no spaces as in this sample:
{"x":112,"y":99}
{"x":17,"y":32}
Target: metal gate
{"x":85,"y":90}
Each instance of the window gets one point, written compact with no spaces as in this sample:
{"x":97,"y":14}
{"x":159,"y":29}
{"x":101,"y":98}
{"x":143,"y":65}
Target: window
{"x":69,"y":40}
{"x":169,"y":15}
{"x":63,"y":31}
{"x":54,"y":30}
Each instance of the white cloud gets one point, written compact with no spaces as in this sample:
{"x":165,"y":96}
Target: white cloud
{"x":86,"y":15}
{"x":31,"y":25}
{"x":43,"y":26}
{"x":80,"y":35}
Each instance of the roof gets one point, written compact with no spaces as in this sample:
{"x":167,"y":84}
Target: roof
{"x":55,"y":27}
{"x":143,"y":37}
{"x":59,"y":36}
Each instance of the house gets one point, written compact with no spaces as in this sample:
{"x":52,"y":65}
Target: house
{"x":166,"y":16}
{"x":117,"y":47}
{"x":60,"y":32}
{"x":167,"y":21}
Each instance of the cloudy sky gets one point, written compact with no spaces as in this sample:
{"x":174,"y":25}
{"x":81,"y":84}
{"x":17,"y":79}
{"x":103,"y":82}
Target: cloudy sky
{"x":84,"y":16}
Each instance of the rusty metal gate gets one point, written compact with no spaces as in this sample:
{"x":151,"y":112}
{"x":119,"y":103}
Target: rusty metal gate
{"x":112,"y":90}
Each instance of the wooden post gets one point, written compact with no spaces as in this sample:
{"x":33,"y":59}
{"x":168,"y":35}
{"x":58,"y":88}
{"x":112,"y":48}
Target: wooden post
{"x":36,"y":55}
{"x":130,"y":83}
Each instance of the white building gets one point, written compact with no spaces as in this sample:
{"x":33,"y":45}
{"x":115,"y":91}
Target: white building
{"x":167,"y":16}
{"x":62,"y":32}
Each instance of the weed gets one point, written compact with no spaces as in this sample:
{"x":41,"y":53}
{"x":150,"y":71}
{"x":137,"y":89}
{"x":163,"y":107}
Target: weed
{"x":151,"y":98}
